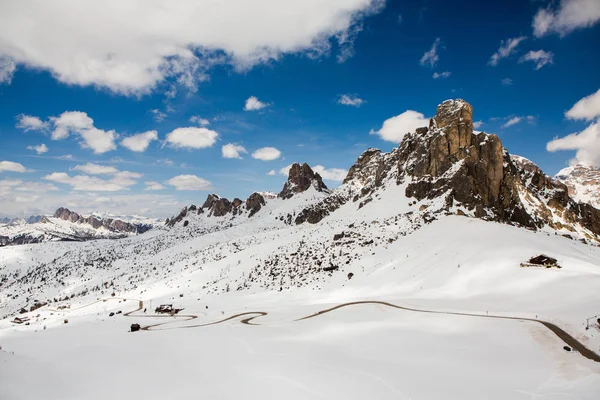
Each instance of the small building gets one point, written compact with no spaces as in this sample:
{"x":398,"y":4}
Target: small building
{"x":541,"y":260}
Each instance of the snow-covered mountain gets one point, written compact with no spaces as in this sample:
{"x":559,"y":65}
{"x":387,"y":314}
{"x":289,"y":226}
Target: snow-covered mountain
{"x":440,"y":227}
{"x":583,"y":182}
{"x":66,"y":225}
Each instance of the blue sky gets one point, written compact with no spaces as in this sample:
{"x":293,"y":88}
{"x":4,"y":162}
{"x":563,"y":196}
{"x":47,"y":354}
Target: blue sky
{"x":322,"y":79}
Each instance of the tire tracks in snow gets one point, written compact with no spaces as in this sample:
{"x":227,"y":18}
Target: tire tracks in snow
{"x":252,"y":315}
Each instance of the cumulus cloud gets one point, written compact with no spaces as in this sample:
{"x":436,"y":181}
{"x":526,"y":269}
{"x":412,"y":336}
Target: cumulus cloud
{"x":30,"y":123}
{"x":158,"y":115}
{"x":189,"y":182}
{"x":139,"y":142}
{"x":331,"y":174}
{"x":121,"y":180}
{"x":507,"y":47}
{"x":196,"y":119}
{"x":272,"y":173}
{"x":394,"y":129}
{"x":153,"y":185}
{"x":477,"y":124}
{"x":95,"y":169}
{"x":539,"y":58}
{"x":10,"y":166}
{"x":267,"y":154}
{"x":232,"y":150}
{"x":40,"y":148}
{"x":73,"y":122}
{"x":587,"y":142}
{"x":587,"y":108}
{"x":254,"y":104}
{"x":129,"y":47}
{"x":506,"y":81}
{"x":568,"y":16}
{"x":441,"y":75}
{"x":192,"y":138}
{"x":431,"y":57}
{"x":350,"y":100}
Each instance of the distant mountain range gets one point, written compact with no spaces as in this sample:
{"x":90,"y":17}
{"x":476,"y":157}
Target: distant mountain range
{"x":583,"y":182}
{"x":66,"y":225}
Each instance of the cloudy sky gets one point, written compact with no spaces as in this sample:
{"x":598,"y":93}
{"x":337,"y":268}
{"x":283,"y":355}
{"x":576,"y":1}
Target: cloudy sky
{"x":140,"y":107}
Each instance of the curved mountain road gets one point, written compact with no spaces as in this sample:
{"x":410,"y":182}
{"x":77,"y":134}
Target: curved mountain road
{"x":251,"y":315}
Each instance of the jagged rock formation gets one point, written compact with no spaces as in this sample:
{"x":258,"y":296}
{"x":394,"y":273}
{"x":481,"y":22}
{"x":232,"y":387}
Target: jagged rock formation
{"x":583,"y":182}
{"x":254,"y":203}
{"x":216,"y":206}
{"x":300,"y":179}
{"x":451,"y":169}
{"x":113,"y":225}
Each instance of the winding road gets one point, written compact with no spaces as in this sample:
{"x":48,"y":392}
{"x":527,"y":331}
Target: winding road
{"x":252,"y":315}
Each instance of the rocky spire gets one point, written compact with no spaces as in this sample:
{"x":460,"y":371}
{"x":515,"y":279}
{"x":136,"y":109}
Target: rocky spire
{"x":300,"y":179}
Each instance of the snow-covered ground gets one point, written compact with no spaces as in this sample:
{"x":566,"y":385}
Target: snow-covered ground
{"x":261,"y":264}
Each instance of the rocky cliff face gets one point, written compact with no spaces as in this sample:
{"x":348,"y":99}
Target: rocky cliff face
{"x":450,"y":169}
{"x":300,"y":179}
{"x":583,"y":182}
{"x":113,"y":225}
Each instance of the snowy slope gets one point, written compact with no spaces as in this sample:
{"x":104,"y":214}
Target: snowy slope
{"x":266,"y":295}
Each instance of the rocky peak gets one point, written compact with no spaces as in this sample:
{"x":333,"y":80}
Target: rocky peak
{"x":583,"y":182}
{"x":254,"y":203}
{"x":210,"y":199}
{"x":300,"y":179}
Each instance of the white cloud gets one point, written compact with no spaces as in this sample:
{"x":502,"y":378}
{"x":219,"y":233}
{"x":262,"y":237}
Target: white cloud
{"x":98,"y":140}
{"x":267,"y":154}
{"x":158,"y":115}
{"x":232,"y":150}
{"x":70,"y":121}
{"x":512,"y":121}
{"x":507,"y":47}
{"x":95,"y":169}
{"x":586,"y":143}
{"x":7,"y":70}
{"x":516,"y":119}
{"x":153,"y":185}
{"x":196,"y":119}
{"x":587,"y":108}
{"x":540,"y":58}
{"x":130,"y":47}
{"x":10,"y":166}
{"x":350,"y":100}
{"x":394,"y":129}
{"x":40,"y":148}
{"x":77,"y":122}
{"x":431,"y":57}
{"x":189,"y":182}
{"x":570,"y":15}
{"x":254,"y":104}
{"x":121,"y":180}
{"x":192,"y":138}
{"x":30,"y":123}
{"x":442,"y":75}
{"x":272,"y":173}
{"x":507,"y":81}
{"x":139,"y":142}
{"x":17,"y":185}
{"x":477,"y":124}
{"x":331,"y":174}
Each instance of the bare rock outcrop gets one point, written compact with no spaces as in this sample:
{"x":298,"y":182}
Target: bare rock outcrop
{"x":300,"y":179}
